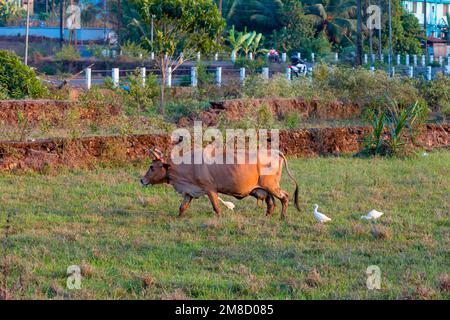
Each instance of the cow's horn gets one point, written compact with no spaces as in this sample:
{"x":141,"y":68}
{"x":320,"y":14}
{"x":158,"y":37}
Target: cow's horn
{"x":155,"y":154}
{"x":159,"y":152}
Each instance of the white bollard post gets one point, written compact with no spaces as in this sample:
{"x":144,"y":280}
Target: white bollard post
{"x":242,"y":75}
{"x":288,"y":73}
{"x":88,"y":72}
{"x":216,"y":57}
{"x":411,"y":72}
{"x":415,"y":60}
{"x":219,"y":76}
{"x":407,"y":60}
{"x":423,"y":61}
{"x":398,"y":59}
{"x":373,"y":57}
{"x":199,"y":56}
{"x":194,"y":76}
{"x":169,"y":77}
{"x":431,"y":58}
{"x":365,"y":58}
{"x":382,"y":58}
{"x":429,"y":73}
{"x":312,"y":56}
{"x":392,"y":71}
{"x":440,"y":60}
{"x":336,"y":57}
{"x":283,"y":57}
{"x":250,"y":56}
{"x":265,"y":73}
{"x":152,"y":56}
{"x":372,"y":70}
{"x":115,"y":77}
{"x":447,"y":70}
{"x":143,"y":74}
{"x":233,"y":56}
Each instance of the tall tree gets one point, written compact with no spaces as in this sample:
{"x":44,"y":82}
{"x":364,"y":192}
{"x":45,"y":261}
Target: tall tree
{"x":336,"y":18}
{"x":182,"y":28}
{"x":259,"y":15}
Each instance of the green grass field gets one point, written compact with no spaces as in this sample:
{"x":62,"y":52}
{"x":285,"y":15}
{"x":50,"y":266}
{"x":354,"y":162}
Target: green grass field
{"x":130,"y":244}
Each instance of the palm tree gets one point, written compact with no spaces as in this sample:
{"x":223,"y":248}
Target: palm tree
{"x":259,"y":15}
{"x":337,"y":18}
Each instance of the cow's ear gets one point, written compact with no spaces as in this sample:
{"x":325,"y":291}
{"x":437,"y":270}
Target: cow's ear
{"x":166,"y":165}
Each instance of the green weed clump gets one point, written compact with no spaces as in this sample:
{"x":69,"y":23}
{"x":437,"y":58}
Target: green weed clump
{"x":394,"y":121}
{"x":67,"y":53}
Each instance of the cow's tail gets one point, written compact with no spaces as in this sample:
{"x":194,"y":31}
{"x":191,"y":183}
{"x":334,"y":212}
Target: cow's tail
{"x":293,"y":179}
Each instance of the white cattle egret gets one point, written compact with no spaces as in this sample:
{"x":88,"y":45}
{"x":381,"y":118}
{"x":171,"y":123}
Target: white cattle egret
{"x":372,"y":215}
{"x":320,"y":216}
{"x":228,"y":204}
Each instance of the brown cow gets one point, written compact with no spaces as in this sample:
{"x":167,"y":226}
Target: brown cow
{"x":237,"y":180}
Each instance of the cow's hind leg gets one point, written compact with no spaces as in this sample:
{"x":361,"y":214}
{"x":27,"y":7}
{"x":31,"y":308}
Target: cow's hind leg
{"x":270,"y":201}
{"x":214,"y":198}
{"x":283,"y":196}
{"x":184,"y":205}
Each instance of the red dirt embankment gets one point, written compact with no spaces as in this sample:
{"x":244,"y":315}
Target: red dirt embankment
{"x":53,"y":111}
{"x":47,"y":154}
{"x":280,"y":107}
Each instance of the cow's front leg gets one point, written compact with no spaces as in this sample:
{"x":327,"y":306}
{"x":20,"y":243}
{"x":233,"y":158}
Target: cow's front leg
{"x":184,"y":205}
{"x":214,"y":198}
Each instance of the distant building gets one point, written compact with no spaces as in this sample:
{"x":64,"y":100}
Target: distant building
{"x":437,"y":10}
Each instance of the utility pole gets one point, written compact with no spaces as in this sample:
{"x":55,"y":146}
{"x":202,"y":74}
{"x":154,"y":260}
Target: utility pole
{"x":119,"y":20}
{"x":371,"y":41}
{"x":152,"y":30}
{"x":61,"y":22}
{"x":390,"y":37}
{"x":359,"y":46}
{"x":425,"y":27}
{"x":380,"y":49}
{"x":27,"y":32}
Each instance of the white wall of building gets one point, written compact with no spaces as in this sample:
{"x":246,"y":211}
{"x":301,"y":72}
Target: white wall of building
{"x":437,"y":16}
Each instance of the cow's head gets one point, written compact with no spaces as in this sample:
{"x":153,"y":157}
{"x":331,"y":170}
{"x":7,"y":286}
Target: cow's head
{"x":158,"y":171}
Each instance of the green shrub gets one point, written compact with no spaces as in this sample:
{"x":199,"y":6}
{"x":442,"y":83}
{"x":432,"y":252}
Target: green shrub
{"x":18,"y":80}
{"x":250,"y":65}
{"x":3,"y":93}
{"x":360,"y":86}
{"x":278,"y":86}
{"x":185,"y":108}
{"x":138,"y":97}
{"x":97,"y":51}
{"x":67,"y":53}
{"x":292,"y":120}
{"x":436,"y":93}
{"x":133,"y":50}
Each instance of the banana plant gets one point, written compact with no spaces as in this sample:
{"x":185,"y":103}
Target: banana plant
{"x":256,"y":48}
{"x":236,"y":39}
{"x":247,"y":45}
